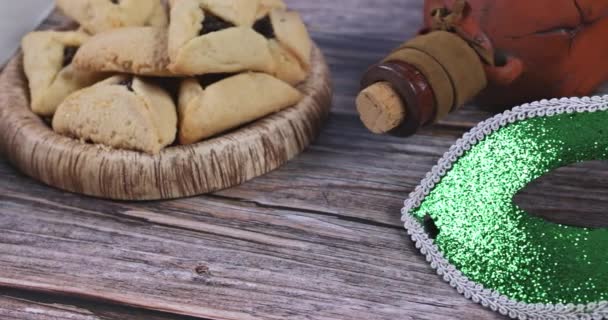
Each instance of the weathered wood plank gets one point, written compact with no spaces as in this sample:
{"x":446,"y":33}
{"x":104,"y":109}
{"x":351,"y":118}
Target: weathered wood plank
{"x":252,"y":262}
{"x":22,"y":305}
{"x":392,"y":19}
{"x":21,"y":309}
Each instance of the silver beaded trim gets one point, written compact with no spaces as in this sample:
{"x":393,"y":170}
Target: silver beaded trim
{"x":474,"y":291}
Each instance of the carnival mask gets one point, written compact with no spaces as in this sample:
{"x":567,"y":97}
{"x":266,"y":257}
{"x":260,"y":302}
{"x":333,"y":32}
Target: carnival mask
{"x":463,"y":218}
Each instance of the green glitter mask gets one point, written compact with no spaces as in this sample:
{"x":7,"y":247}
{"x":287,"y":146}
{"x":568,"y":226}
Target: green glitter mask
{"x":486,"y":246}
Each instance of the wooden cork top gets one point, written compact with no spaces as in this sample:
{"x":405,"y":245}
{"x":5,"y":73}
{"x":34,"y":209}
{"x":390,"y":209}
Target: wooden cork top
{"x":380,"y":108}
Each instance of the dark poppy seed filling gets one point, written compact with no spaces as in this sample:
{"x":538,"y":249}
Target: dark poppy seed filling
{"x":127,"y":83}
{"x":213,"y":23}
{"x":209,"y":79}
{"x":115,"y":1}
{"x":170,"y":85}
{"x":68,"y":55}
{"x":264,"y":27}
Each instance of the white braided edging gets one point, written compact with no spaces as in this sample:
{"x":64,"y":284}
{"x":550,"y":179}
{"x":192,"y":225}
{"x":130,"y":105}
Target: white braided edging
{"x":474,"y":291}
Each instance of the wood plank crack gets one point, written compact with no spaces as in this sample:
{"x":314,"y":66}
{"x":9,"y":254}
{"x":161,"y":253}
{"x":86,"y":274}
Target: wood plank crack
{"x":239,"y":234}
{"x":323,"y":213}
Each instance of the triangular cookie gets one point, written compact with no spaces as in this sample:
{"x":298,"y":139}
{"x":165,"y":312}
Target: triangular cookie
{"x":214,"y":36}
{"x":207,"y":109}
{"x":120,"y":112}
{"x":47,"y":62}
{"x":133,"y":50}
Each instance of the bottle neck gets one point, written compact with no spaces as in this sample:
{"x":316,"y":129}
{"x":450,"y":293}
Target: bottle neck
{"x":393,"y":85}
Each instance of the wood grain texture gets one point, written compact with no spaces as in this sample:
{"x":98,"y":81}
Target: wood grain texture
{"x":178,"y":171}
{"x":217,"y":258}
{"x":24,"y":305}
{"x":21,"y":309}
{"x":320,"y":238}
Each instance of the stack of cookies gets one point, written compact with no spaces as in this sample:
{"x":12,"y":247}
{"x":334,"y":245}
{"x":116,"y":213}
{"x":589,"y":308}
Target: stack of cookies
{"x":137,"y":75}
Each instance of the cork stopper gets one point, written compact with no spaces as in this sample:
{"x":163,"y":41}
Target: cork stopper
{"x":380,"y":108}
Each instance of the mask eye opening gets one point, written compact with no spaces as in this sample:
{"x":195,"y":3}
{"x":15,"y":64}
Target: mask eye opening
{"x":586,"y":182}
{"x":430,"y":227}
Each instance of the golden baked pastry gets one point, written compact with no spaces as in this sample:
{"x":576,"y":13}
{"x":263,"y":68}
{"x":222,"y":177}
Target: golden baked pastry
{"x":243,"y":57}
{"x":237,"y":12}
{"x":133,"y":50}
{"x":266,"y":6}
{"x":47,"y":62}
{"x":289,"y":43}
{"x":208,"y":107}
{"x":97,"y":16}
{"x":290,"y":31}
{"x":215,"y":36}
{"x":159,"y":17}
{"x":122,"y":112}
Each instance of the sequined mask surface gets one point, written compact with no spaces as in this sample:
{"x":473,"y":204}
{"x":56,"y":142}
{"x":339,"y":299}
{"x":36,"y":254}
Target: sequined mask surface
{"x":492,"y":242}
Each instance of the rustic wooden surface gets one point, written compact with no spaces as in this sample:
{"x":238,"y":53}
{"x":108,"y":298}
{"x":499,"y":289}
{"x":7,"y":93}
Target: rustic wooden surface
{"x":318,"y":239}
{"x":178,"y":171}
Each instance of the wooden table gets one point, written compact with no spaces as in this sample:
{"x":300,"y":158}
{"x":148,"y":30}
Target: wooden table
{"x":318,"y":239}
